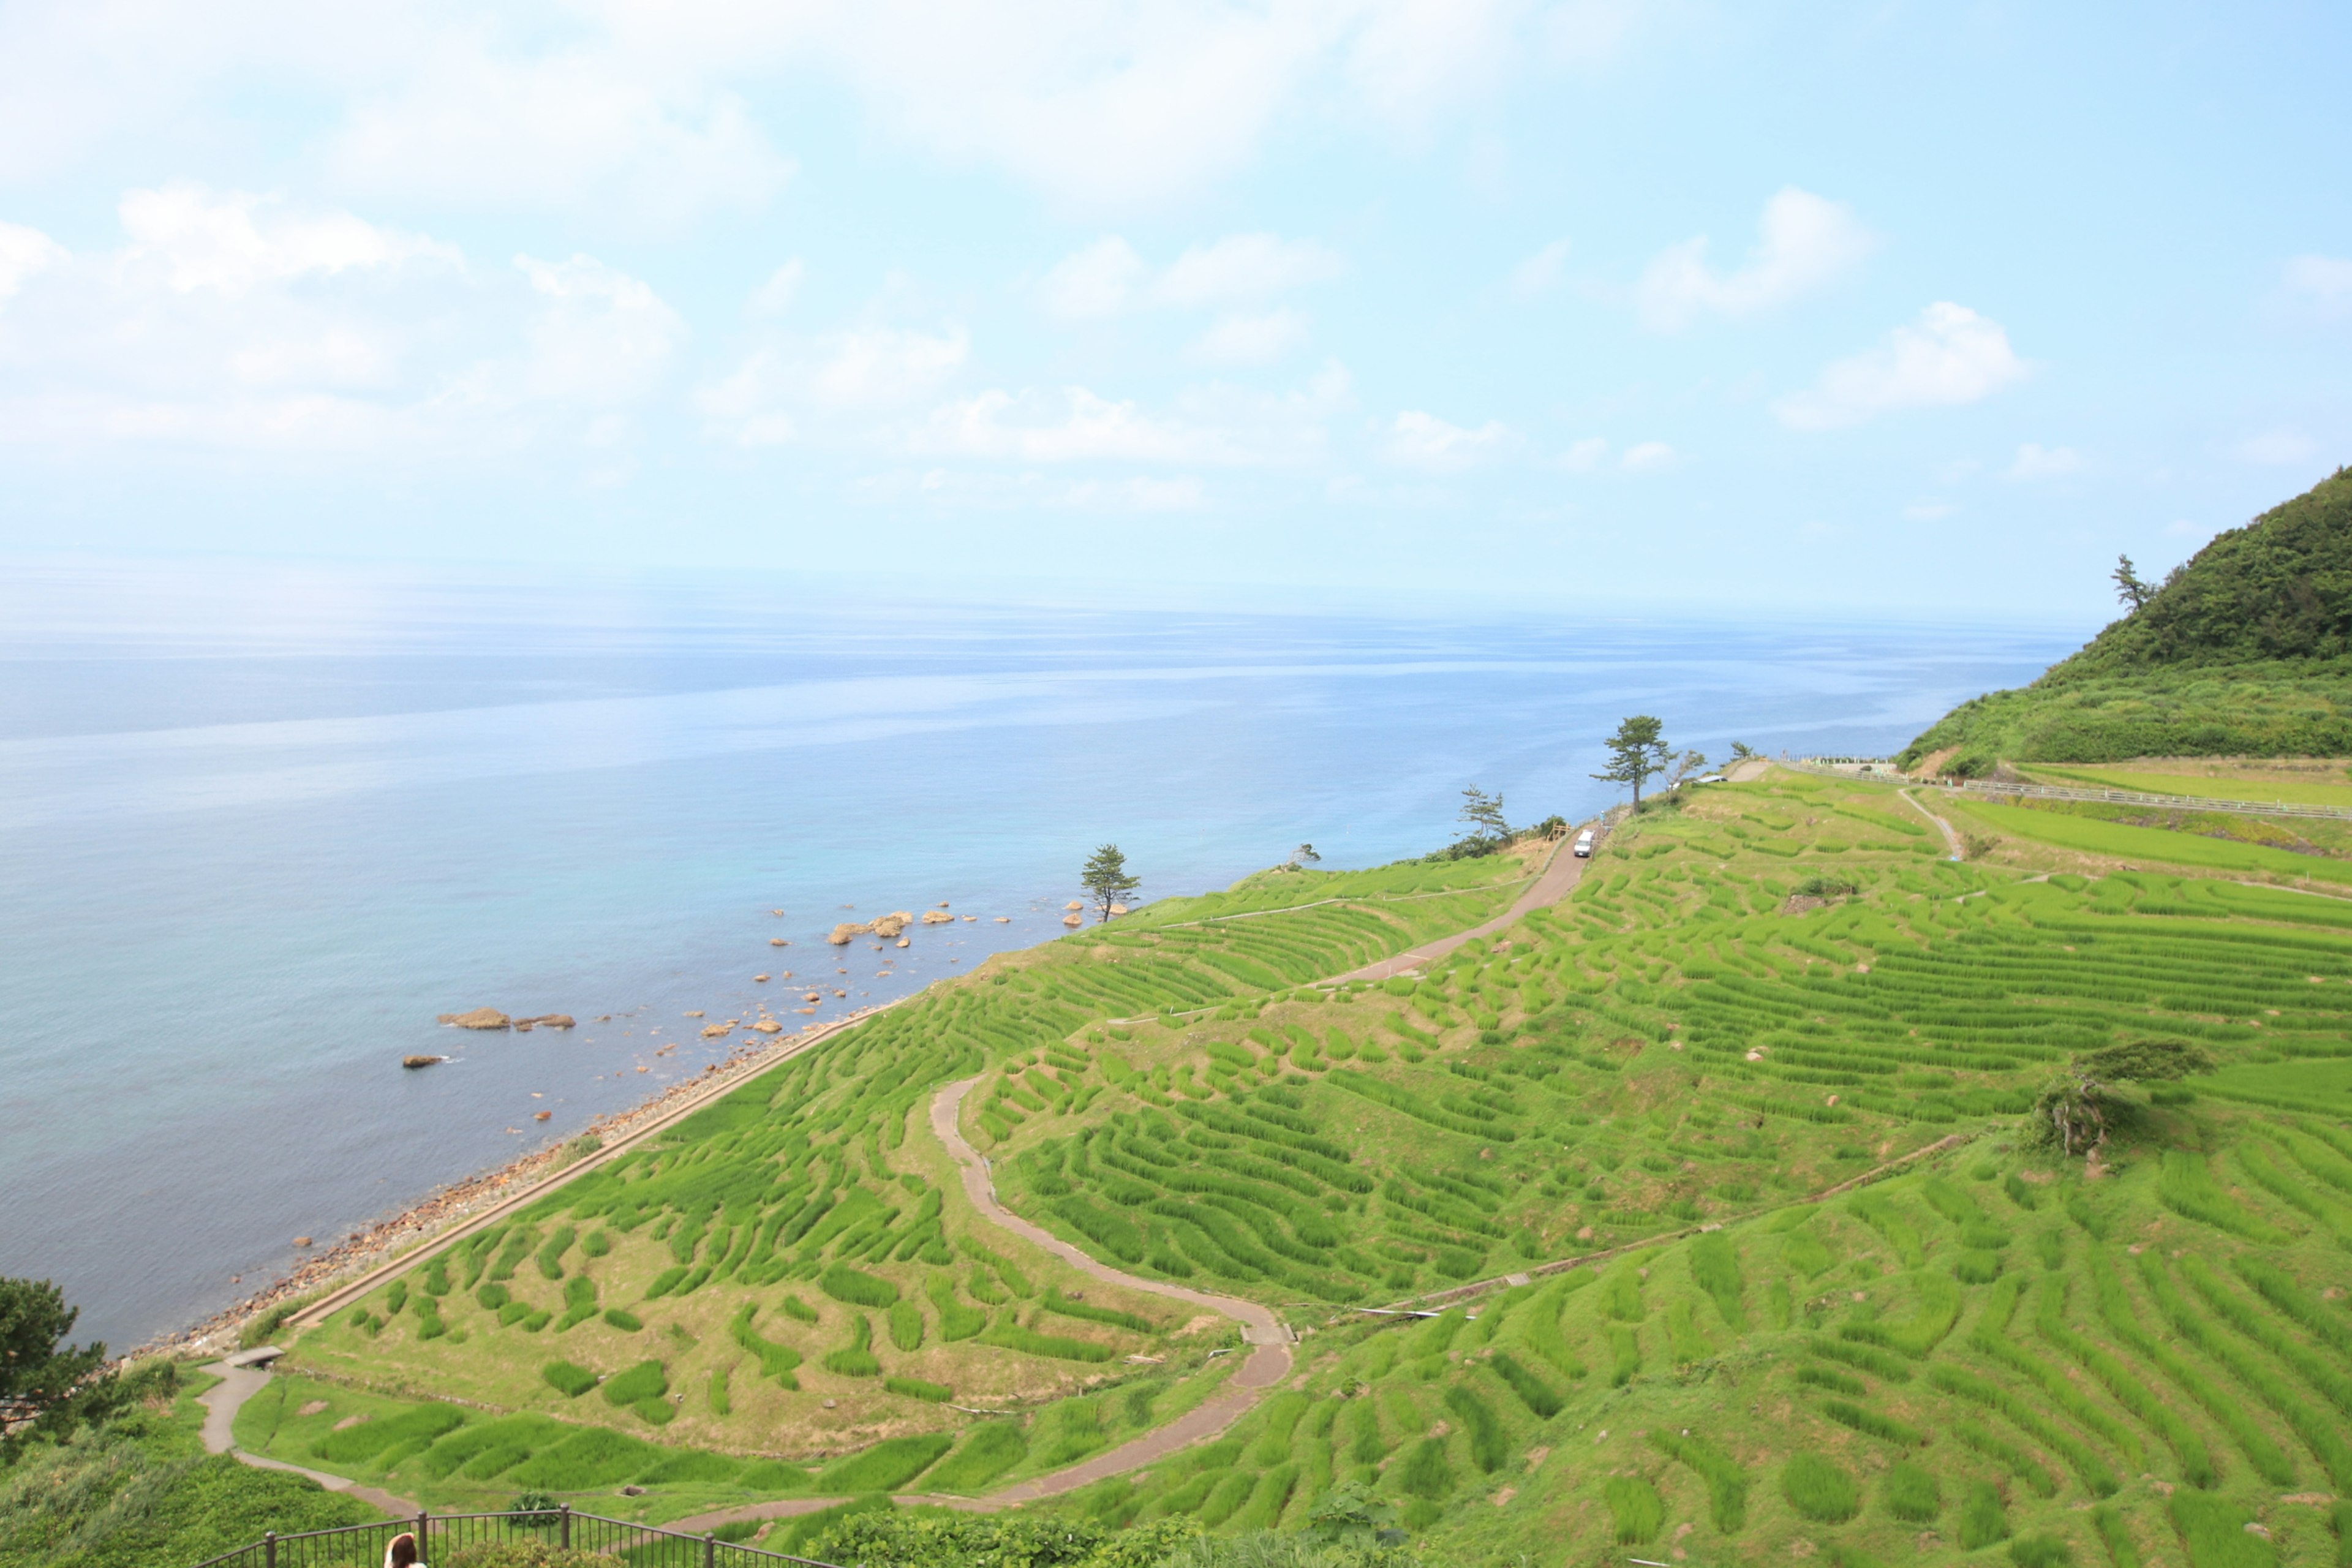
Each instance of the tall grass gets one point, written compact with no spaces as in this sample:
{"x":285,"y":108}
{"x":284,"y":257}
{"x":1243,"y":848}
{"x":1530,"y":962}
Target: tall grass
{"x":2186,"y":1186}
{"x":2129,"y":1384}
{"x":1819,"y":1489}
{"x":1911,"y":1493}
{"x":1636,"y":1511}
{"x":1982,"y":1522}
{"x":1726,"y":1483}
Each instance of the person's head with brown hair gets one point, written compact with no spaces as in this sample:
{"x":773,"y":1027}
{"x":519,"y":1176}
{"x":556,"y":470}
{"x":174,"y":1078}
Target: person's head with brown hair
{"x":402,"y":1552}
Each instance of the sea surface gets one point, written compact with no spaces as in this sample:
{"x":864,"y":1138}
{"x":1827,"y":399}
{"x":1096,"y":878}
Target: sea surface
{"x":259,"y":826}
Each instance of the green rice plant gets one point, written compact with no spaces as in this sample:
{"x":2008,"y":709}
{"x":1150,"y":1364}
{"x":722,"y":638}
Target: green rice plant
{"x":1533,"y":1392}
{"x":2256,"y":1325}
{"x":2227,"y":1409}
{"x":2186,"y":1186}
{"x":1636,"y":1511}
{"x":916,"y":1388}
{"x":550,"y":1255}
{"x":1624,"y":1353}
{"x":1871,"y":1422}
{"x":1365,"y":1445}
{"x":2331,"y":1328}
{"x":1014,"y":1337}
{"x":2026,"y":1417}
{"x":906,"y":1325}
{"x":568,"y":1378}
{"x":1225,"y":1498}
{"x":2129,"y":1384}
{"x":1490,"y":1447}
{"x":793,"y":1307}
{"x":1866,"y":1357}
{"x":2213,"y":1533}
{"x":2042,"y":1549}
{"x":1054,"y":1301}
{"x":2115,"y":1536}
{"x":584,"y":1461}
{"x":1977,"y":1267}
{"x":2005,"y":1454}
{"x":2340,"y":1518}
{"x":1806,"y":1254}
{"x":855,"y":1359}
{"x":646,"y":1380}
{"x":2324,"y":1436}
{"x":1714,"y":1265}
{"x":693,"y":1468}
{"x":2050,"y":1246}
{"x":722,"y":1401}
{"x":1876,"y":1212}
{"x":884,"y":1467}
{"x":628,"y":1323}
{"x":359,"y":1444}
{"x":776,"y":1362}
{"x":957,"y":1321}
{"x":991,"y":1449}
{"x":1726,"y":1483}
{"x":1683,"y":1335}
{"x":1819,"y":1489}
{"x":1911,"y":1493}
{"x":857,"y":1287}
{"x":1425,"y":1473}
{"x":1983,"y":1522}
{"x":1991,"y":1340}
{"x":1824,"y":1377}
{"x":1267,"y":1499}
{"x":396,"y":1298}
{"x":596,"y":1243}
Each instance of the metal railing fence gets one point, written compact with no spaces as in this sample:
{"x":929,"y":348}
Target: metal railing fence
{"x":441,"y":1536}
{"x":2067,"y":792}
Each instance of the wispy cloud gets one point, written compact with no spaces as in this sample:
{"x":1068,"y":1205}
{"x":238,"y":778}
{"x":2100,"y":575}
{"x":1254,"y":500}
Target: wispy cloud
{"x":1108,"y":277}
{"x":1803,"y":241}
{"x":1950,"y":355}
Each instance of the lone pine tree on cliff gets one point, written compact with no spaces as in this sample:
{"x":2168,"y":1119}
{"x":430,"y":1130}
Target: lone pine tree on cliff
{"x":1637,"y":752}
{"x":1105,"y":876}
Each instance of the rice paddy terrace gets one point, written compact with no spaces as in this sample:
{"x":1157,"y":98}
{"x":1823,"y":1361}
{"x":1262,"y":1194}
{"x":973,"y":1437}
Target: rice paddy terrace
{"x":1627,"y":1139}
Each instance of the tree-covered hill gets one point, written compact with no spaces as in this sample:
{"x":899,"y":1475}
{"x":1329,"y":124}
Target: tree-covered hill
{"x":2245,"y":650}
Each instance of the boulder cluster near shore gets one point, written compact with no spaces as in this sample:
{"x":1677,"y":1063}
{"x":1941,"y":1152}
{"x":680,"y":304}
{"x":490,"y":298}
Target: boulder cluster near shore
{"x":491,"y":1018}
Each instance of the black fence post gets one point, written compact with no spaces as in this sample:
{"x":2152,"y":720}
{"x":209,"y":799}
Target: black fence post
{"x":564,"y":1526}
{"x":424,"y":1551}
{"x":269,"y":1549}
{"x":709,"y":1548}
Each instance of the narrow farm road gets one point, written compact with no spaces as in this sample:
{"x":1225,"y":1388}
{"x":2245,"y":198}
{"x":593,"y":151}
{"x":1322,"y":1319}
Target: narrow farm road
{"x":1269,"y":1359}
{"x":1951,"y":839}
{"x":239,"y":1383}
{"x":1553,"y":884}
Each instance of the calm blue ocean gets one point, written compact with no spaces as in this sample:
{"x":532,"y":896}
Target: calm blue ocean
{"x":257,"y":827}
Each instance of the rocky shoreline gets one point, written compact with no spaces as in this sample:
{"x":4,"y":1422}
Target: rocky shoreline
{"x":378,"y":1242}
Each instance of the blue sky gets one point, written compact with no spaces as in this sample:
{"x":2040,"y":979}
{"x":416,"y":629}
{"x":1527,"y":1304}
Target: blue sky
{"x":1907,"y":307}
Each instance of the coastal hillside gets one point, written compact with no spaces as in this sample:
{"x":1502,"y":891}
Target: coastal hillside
{"x":2243,"y":651}
{"x":1791,"y":1190}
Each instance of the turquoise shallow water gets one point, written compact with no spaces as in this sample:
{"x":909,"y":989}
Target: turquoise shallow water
{"x":255,"y":834}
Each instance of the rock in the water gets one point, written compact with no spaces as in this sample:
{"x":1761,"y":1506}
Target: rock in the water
{"x":547,"y":1021}
{"x":712,"y":1031}
{"x":778,"y":941}
{"x":421,"y":1061}
{"x":813,"y":996}
{"x":1073,"y":919}
{"x":540,"y":1115}
{"x":1118,"y":909}
{"x":846,"y":931}
{"x":1004,"y":920}
{"x":1076,"y":904}
{"x":938,"y":918}
{"x":769,"y":1027}
{"x":695,"y":1014}
{"x":904,"y":943}
{"x":301,"y":1241}
{"x":890,"y":925}
{"x":762,"y":978}
{"x":479,"y":1018}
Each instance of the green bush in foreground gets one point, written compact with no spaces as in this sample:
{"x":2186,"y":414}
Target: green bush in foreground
{"x":928,"y":1539}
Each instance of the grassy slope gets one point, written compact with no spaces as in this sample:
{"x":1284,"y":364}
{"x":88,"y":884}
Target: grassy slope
{"x":1984,"y":1316}
{"x":143,"y":1492}
{"x":828,"y":1162}
{"x":2246,"y":650}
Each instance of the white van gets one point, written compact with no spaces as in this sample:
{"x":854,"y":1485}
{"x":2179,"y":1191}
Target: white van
{"x":1584,"y":845}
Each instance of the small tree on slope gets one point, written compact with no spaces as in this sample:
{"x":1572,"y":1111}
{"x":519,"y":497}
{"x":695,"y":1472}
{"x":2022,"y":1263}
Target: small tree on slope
{"x":1105,"y":876}
{"x":1637,"y":752}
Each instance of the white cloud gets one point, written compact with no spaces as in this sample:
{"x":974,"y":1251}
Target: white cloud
{"x":583,"y":128}
{"x":886,"y":367}
{"x":1107,"y":278}
{"x":774,"y":297}
{"x":1803,"y":241}
{"x":1424,"y":441}
{"x":1215,"y":425}
{"x":1413,"y":58}
{"x":1647,"y":458}
{"x":602,"y":335}
{"x":1583,"y":457}
{"x":1243,"y":268}
{"x":1950,"y":355}
{"x":237,"y":241}
{"x":2036,"y":462}
{"x":1930,"y":511}
{"x":1540,"y":271}
{"x":1095,"y":281}
{"x":2276,"y":448}
{"x":1250,"y":340}
{"x":23,"y":252}
{"x":2324,"y":280}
